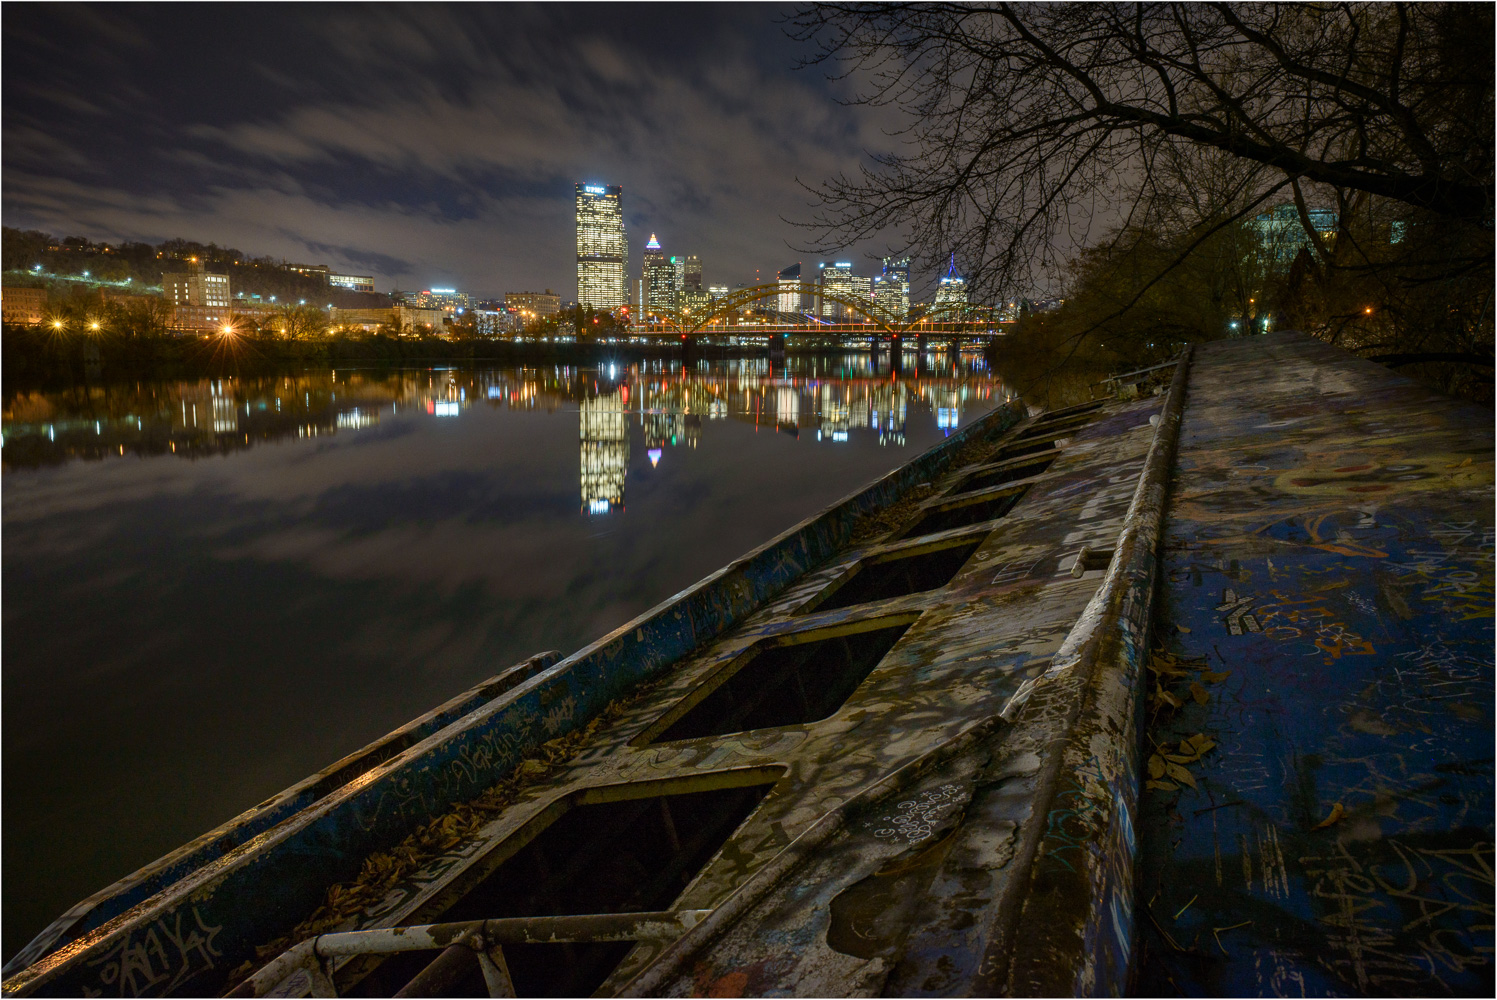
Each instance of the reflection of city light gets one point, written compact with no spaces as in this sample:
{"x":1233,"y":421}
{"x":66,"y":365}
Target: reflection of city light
{"x":496,"y":392}
{"x":946,"y":417}
{"x":447,"y":409}
{"x":355,"y":419}
{"x":839,"y":435}
{"x":597,"y":506}
{"x":654,"y":454}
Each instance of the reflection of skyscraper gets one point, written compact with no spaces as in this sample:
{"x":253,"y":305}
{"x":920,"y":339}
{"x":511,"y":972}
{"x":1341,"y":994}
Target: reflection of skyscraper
{"x":605,"y":452}
{"x":602,"y":252}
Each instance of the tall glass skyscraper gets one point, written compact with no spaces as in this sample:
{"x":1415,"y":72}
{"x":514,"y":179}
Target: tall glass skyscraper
{"x":659,"y":279}
{"x":602,"y":250}
{"x":891,"y":290}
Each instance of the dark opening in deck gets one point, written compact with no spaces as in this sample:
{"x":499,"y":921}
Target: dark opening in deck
{"x":997,"y":477}
{"x":787,"y":681}
{"x":619,"y":856}
{"x":896,"y":575}
{"x":959,"y":515}
{"x":1027,"y":447}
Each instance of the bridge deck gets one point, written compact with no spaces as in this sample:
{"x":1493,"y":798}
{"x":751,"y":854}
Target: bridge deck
{"x":1328,"y":583}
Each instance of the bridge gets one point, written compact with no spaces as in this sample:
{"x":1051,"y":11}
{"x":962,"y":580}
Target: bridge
{"x":725,"y":317}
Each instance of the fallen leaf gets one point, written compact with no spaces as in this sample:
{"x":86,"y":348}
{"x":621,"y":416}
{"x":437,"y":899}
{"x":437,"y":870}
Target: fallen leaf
{"x":1163,"y":786}
{"x":1182,"y":628}
{"x":1335,"y":817}
{"x":1180,"y":774}
{"x":1165,"y":696}
{"x":1214,"y":678}
{"x":1200,"y":694}
{"x":1181,"y":758}
{"x":1156,"y":766}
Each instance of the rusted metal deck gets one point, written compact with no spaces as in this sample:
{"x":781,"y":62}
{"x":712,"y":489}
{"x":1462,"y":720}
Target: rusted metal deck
{"x":893,"y":752}
{"x":1329,"y":549}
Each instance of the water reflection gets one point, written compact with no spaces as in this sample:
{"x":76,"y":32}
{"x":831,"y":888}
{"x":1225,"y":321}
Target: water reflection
{"x":819,"y":401}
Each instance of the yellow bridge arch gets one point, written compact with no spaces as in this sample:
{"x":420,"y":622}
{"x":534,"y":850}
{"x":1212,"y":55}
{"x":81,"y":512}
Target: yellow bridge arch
{"x":686,"y":323}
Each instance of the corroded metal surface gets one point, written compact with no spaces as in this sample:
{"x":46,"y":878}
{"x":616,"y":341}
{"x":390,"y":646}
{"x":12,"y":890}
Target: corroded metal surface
{"x":921,"y":887}
{"x":1330,"y":545}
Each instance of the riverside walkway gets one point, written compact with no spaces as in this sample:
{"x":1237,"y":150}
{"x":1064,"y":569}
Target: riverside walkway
{"x":1187,"y":692}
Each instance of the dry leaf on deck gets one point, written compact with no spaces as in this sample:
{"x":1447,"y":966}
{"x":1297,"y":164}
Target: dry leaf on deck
{"x":1337,"y":811}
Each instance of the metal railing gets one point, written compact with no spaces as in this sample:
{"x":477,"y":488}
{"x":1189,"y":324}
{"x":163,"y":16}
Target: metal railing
{"x":308,"y":968}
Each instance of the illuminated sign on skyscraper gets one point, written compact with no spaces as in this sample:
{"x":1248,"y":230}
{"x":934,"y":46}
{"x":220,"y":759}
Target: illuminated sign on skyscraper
{"x":602,"y":251}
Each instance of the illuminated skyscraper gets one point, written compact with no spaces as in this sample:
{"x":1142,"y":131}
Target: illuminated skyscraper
{"x":692,"y":280}
{"x":602,"y":251}
{"x":659,"y":278}
{"x":790,"y":293}
{"x":891,"y":290}
{"x":839,"y":280}
{"x":952,"y":294}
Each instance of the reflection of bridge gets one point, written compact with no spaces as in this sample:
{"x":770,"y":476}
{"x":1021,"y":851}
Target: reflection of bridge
{"x":723,"y":317}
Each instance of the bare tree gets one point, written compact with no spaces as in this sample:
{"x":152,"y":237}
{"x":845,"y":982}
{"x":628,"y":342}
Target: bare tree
{"x":1025,"y":118}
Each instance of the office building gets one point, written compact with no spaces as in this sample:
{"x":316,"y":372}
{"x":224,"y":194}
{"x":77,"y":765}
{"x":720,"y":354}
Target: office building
{"x":446,"y":299}
{"x":659,"y":279}
{"x":691,"y":279}
{"x":602,"y":250}
{"x":1281,"y":233}
{"x":352,"y":282}
{"x":951,"y":293}
{"x":693,"y":303}
{"x":790,"y":298}
{"x":27,"y":306}
{"x":533,"y":305}
{"x":891,"y":289}
{"x":839,"y":280}
{"x":196,"y":287}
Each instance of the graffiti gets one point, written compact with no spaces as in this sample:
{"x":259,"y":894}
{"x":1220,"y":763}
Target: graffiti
{"x":1402,"y":921}
{"x":158,"y":958}
{"x":1239,"y":616}
{"x":913,"y":820}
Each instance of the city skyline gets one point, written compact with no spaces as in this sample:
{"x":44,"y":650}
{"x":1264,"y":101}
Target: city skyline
{"x":423,"y":148}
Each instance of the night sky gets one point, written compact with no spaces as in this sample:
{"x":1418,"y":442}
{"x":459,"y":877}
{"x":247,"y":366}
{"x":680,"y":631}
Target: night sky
{"x":429,"y":146}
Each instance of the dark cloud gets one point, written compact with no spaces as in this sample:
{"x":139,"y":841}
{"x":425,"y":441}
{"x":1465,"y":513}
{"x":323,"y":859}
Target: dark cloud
{"x":430,"y":145}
